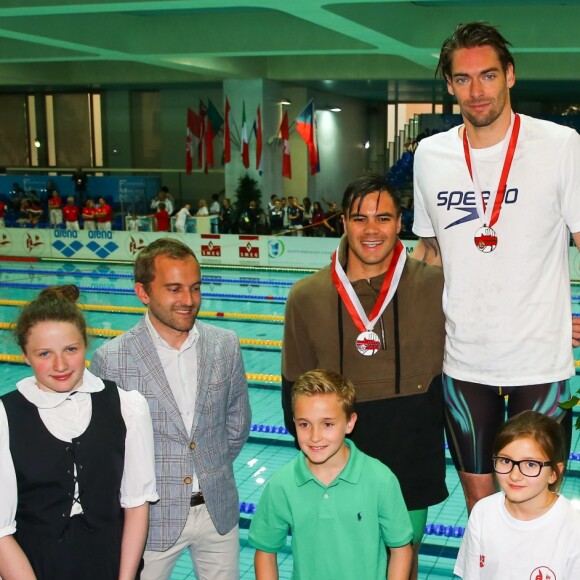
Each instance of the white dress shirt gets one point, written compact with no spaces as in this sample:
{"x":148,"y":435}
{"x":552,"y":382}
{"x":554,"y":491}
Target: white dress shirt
{"x":180,"y":368}
{"x":66,"y":416}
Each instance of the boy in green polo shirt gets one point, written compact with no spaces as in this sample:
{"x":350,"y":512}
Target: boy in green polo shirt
{"x":341,"y":506}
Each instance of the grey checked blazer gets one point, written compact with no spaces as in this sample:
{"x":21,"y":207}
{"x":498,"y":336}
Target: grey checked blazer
{"x":221,"y":424}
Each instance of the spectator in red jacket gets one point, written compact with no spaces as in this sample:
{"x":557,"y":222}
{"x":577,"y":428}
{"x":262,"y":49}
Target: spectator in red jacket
{"x":162,"y":218}
{"x":104,"y":215}
{"x":71,"y":214}
{"x":89,"y":215}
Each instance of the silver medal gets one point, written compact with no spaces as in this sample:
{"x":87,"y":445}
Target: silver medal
{"x":368,"y":343}
{"x":485,"y":239}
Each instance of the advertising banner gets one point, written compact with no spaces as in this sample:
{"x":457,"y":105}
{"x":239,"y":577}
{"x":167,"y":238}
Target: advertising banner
{"x":215,"y":249}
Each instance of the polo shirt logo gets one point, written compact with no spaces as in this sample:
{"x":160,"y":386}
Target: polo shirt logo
{"x":359,"y":516}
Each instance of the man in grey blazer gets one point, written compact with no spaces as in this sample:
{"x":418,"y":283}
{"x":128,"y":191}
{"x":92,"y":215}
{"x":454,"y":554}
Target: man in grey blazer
{"x":193,"y":377}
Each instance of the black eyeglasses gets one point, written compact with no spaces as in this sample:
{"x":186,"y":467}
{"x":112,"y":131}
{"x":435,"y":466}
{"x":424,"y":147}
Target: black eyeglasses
{"x":527,"y":467}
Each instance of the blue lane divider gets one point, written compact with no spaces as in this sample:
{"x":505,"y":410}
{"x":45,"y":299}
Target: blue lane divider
{"x":76,"y":273}
{"x":109,"y":290}
{"x":247,"y":508}
{"x":442,"y":530}
{"x":252,"y":281}
{"x":89,"y":289}
{"x":276,"y":429}
{"x":129,"y":275}
{"x":430,"y":529}
{"x":280,"y":430}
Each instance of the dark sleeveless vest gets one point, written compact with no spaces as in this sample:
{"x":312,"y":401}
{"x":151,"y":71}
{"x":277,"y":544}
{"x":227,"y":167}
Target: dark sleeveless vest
{"x":45,"y":465}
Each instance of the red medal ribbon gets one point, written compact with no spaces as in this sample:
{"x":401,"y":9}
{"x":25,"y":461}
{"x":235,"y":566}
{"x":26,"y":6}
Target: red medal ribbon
{"x":504,"y":172}
{"x":348,"y":296}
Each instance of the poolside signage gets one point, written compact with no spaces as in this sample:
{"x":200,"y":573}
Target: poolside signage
{"x":58,"y":233}
{"x":135,"y":243}
{"x":247,"y":249}
{"x":5,"y":243}
{"x":211,"y":248}
{"x":67,"y":250}
{"x":34,"y":242}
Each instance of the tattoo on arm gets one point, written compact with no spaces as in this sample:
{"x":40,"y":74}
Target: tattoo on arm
{"x":432,"y":251}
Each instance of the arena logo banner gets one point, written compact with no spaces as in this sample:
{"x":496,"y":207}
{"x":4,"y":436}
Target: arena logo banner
{"x":68,"y":250}
{"x":103,"y":251}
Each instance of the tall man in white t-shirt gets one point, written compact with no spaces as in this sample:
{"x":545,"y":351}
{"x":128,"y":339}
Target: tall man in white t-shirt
{"x":495,"y":202}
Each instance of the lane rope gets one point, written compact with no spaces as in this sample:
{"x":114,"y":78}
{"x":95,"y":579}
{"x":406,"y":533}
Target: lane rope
{"x":205,"y":266}
{"x":111,"y":332}
{"x":242,"y":316}
{"x":253,"y":377}
{"x":129,"y":291}
{"x":129,"y":276}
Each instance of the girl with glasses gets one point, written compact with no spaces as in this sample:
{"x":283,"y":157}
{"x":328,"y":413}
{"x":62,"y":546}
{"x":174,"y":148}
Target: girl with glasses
{"x":527,"y":530}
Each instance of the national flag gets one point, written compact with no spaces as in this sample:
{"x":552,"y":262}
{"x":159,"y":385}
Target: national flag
{"x":192,"y":138}
{"x":245,"y":143}
{"x":201,"y":148}
{"x":227,"y":136}
{"x":306,"y":127}
{"x":214,"y":123}
{"x":259,"y":142}
{"x":285,"y":133}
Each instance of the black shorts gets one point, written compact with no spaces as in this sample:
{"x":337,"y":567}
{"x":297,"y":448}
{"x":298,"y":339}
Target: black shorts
{"x":474,"y":413}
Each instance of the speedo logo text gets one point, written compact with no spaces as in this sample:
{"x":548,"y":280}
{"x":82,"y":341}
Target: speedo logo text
{"x":464,"y":201}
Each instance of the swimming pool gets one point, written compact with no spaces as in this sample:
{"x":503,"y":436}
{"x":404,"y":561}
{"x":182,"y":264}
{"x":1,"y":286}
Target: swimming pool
{"x":251,"y":303}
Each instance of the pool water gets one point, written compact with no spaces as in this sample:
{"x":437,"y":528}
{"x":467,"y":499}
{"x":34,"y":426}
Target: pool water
{"x":251,"y":304}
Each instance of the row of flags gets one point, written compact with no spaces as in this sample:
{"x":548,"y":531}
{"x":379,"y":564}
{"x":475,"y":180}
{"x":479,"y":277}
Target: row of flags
{"x":201,"y":130}
{"x":207,"y":123}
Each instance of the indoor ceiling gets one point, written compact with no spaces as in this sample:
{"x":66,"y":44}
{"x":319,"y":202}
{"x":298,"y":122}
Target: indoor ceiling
{"x":383,"y":50}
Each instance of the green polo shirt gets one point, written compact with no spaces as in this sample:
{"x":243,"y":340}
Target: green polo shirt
{"x":340,"y":530}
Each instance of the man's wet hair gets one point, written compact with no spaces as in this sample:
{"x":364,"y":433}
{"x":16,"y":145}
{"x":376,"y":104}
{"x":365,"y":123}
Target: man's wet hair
{"x":358,"y":189}
{"x":472,"y":35}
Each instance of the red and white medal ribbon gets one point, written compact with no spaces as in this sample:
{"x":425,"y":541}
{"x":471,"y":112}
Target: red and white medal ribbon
{"x":388,"y":289}
{"x":489,"y":212}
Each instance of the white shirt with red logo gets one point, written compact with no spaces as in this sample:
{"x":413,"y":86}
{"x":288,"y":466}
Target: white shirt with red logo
{"x":496,"y":546}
